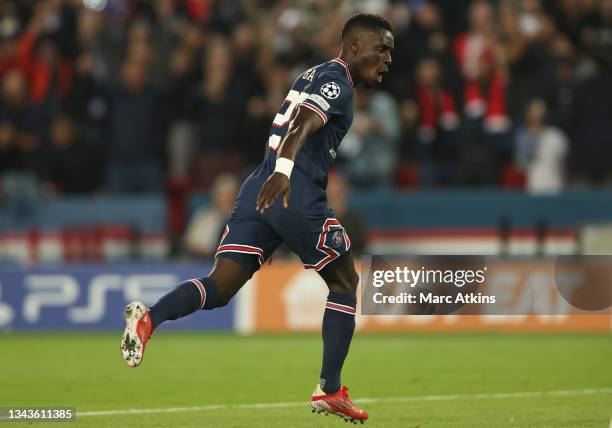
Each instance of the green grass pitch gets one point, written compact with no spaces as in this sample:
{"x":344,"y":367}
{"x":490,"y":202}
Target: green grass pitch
{"x":411,"y":381}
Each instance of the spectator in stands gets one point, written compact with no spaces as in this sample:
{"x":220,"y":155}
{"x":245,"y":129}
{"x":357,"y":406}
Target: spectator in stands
{"x":419,"y":33}
{"x":338,"y":193}
{"x":478,"y":54}
{"x":15,"y":107}
{"x":20,"y":157}
{"x":368,"y":153}
{"x":262,"y":106}
{"x":20,"y":149}
{"x":73,"y":163}
{"x":590,"y":129}
{"x":439,"y":121}
{"x":266,"y":87}
{"x":207,"y":224}
{"x":98,"y":36}
{"x":217,"y":99}
{"x":407,"y":173}
{"x":198,"y":68}
{"x":134,"y":158}
{"x":88,"y":101}
{"x":482,"y":62}
{"x":541,"y":151}
{"x":165,"y":33}
{"x":48,"y":72}
{"x":139,"y":48}
{"x":527,"y":37}
{"x":245,"y":50}
{"x":9,"y":30}
{"x":174,"y":116}
{"x":218,"y":107}
{"x":560,"y":94}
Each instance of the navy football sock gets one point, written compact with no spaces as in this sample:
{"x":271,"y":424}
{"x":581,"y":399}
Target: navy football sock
{"x":186,"y":298}
{"x":338,"y":328}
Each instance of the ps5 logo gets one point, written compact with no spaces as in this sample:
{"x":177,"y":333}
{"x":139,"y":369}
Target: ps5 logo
{"x":58,"y":290}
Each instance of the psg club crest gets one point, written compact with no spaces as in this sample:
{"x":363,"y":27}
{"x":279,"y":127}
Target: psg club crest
{"x":337,"y":239}
{"x":330,"y":90}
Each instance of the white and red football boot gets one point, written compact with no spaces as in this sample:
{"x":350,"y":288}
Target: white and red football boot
{"x":138,"y":330}
{"x":337,"y":403}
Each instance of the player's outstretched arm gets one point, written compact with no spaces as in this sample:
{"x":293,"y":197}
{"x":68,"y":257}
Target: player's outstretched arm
{"x":306,"y":122}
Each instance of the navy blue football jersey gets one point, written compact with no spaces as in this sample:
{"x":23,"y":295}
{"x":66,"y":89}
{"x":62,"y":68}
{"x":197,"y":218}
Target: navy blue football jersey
{"x":327,"y":90}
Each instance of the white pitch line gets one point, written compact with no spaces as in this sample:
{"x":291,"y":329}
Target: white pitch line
{"x":416,"y":398}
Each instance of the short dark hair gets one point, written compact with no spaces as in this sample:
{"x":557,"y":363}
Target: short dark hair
{"x":365,"y":20}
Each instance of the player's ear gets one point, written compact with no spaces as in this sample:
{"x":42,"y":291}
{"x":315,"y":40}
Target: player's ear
{"x":355,"y":45}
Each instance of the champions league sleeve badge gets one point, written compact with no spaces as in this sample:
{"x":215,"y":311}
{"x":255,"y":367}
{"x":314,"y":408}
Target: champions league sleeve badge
{"x":330,"y":90}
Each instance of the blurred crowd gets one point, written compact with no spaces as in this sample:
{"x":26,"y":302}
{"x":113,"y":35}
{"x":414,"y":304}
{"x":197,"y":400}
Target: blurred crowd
{"x":138,"y":96}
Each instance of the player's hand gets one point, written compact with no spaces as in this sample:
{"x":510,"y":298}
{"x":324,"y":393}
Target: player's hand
{"x":276,"y":185}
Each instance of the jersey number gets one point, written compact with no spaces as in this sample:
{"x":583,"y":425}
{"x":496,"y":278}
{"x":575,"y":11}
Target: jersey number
{"x":294,"y":99}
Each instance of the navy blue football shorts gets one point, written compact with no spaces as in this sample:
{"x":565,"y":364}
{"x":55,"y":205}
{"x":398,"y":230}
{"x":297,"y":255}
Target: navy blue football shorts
{"x":250,"y":238}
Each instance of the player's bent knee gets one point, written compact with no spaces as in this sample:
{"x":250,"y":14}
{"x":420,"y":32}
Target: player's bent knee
{"x":347,"y":282}
{"x":341,"y":277}
{"x":342,"y":288}
{"x":229,"y":276}
{"x":226,"y":290}
{"x":224,"y":298}
{"x":354,"y":281}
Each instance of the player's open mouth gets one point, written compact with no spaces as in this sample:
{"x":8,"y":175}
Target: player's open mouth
{"x":380,"y":75}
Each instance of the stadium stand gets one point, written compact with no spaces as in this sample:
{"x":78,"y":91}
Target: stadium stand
{"x":108,"y":98}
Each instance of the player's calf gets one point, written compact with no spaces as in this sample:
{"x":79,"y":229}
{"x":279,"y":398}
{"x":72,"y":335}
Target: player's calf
{"x":185,"y":299}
